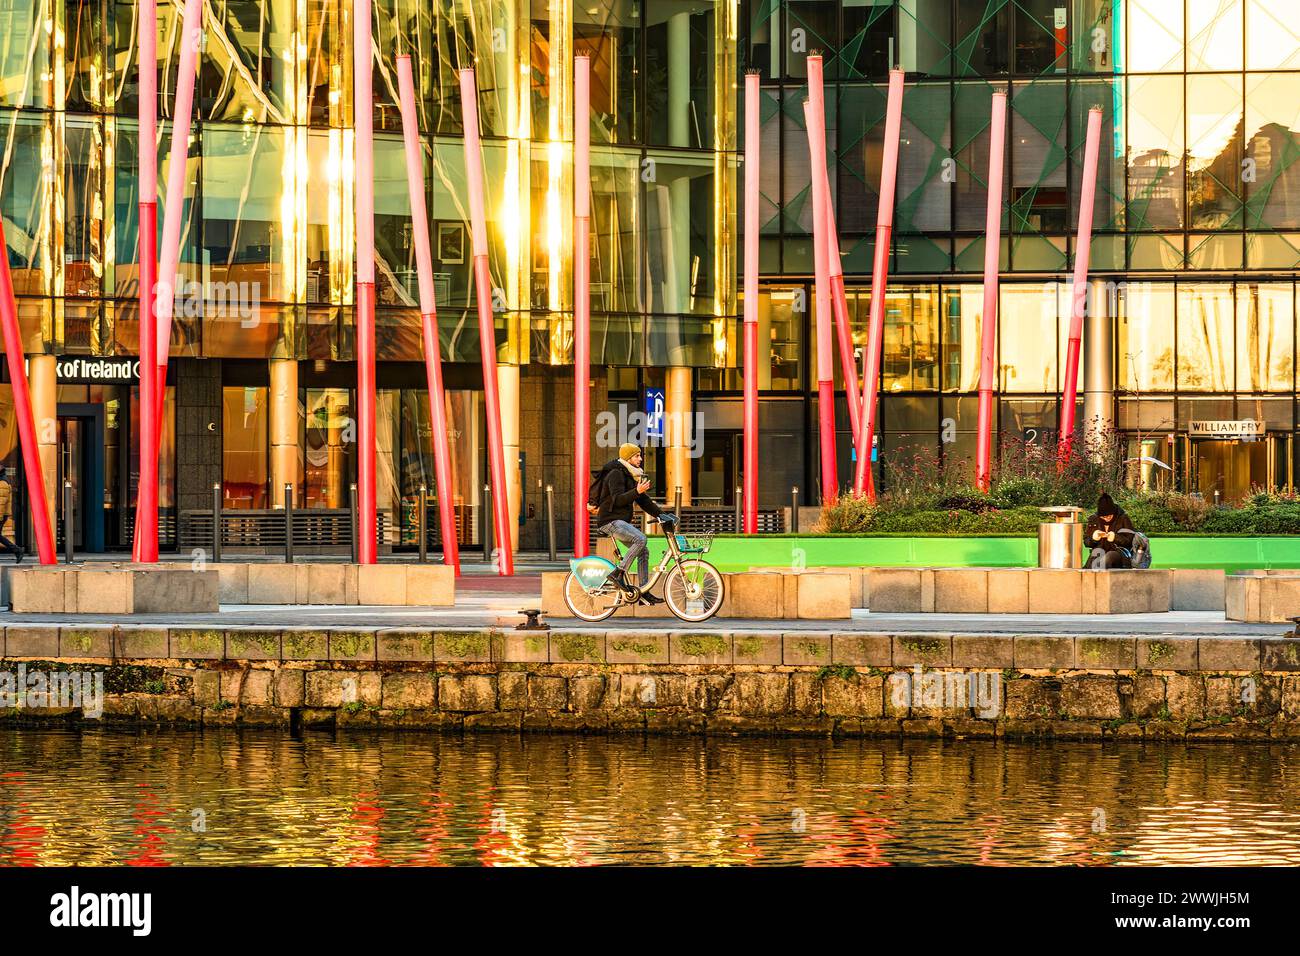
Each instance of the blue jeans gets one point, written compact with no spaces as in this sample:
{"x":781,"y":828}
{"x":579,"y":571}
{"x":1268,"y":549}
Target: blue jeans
{"x":633,"y":540}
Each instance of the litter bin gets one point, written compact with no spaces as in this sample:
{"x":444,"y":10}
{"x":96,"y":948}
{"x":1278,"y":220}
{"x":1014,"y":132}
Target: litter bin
{"x":1060,"y":540}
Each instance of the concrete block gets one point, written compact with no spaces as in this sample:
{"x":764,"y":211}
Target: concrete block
{"x":472,"y":645}
{"x":637,"y":647}
{"x":520,"y":647}
{"x":1131,"y":592}
{"x":404,"y":644}
{"x":896,"y":591}
{"x":1166,"y":653}
{"x":252,"y":644}
{"x":1241,"y":596}
{"x":1228,"y":654}
{"x":1053,"y":591}
{"x":327,"y":583}
{"x":862,"y":650}
{"x":1008,"y":590}
{"x":430,"y":585}
{"x":1196,"y":589}
{"x":1046,"y":652}
{"x":1279,"y":598}
{"x":178,"y":589}
{"x":961,"y":591}
{"x":102,"y":591}
{"x":805,"y":649}
{"x":348,"y":645}
{"x":1105,"y":652}
{"x":985,"y":651}
{"x":37,"y":590}
{"x":196,"y":643}
{"x":754,"y":649}
{"x":552,"y":604}
{"x":754,"y":595}
{"x":823,"y":595}
{"x":232,"y":583}
{"x":304,"y":644}
{"x":85,"y":642}
{"x":140,"y":642}
{"x":928,"y":651}
{"x":708,"y":647}
{"x":1279,"y":654}
{"x":272,"y":584}
{"x":381,"y":584}
{"x":577,"y":647}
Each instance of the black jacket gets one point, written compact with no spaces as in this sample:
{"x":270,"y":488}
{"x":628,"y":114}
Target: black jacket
{"x":618,"y":494}
{"x":1117,"y":521}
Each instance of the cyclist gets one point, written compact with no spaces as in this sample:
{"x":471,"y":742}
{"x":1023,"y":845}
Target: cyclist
{"x":618,"y":486}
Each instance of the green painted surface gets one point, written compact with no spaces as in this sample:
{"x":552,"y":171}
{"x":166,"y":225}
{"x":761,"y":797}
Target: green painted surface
{"x":740,"y":554}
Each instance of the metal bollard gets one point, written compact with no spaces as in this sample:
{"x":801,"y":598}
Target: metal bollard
{"x":739,"y":495}
{"x":487,"y":523}
{"x":794,"y":508}
{"x":550,"y":522}
{"x":288,"y":523}
{"x":216,"y":521}
{"x":69,"y":522}
{"x":424,"y":525}
{"x":678,"y":502}
{"x":356,"y":538}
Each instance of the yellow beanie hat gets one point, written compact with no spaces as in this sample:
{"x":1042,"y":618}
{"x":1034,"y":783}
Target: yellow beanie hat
{"x":627,"y":450}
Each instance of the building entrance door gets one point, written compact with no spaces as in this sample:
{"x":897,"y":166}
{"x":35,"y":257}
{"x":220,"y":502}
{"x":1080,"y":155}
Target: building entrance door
{"x":81,"y":464}
{"x":1228,"y":469}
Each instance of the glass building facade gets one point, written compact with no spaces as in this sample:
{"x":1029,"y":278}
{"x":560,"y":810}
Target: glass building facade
{"x":1195,"y":254}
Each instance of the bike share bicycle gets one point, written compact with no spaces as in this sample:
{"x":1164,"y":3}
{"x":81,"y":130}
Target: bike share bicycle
{"x":693,"y":588}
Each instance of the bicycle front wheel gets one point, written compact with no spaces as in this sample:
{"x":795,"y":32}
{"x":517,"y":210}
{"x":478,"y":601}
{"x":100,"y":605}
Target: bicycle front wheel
{"x":694,"y":590}
{"x":590,"y":607}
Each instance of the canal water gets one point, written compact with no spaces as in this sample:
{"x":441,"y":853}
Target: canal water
{"x":160,"y":798}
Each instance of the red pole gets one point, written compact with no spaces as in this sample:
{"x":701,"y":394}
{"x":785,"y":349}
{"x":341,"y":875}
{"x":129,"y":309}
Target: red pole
{"x":992,"y":249}
{"x":581,"y":302}
{"x":486,"y":321}
{"x":363,"y":121}
{"x":13,"y":340}
{"x":753,"y":141}
{"x":428,"y":312}
{"x":840,"y":306}
{"x":1079,"y":297}
{"x":815,"y":120}
{"x":144,"y":545}
{"x":863,"y":482}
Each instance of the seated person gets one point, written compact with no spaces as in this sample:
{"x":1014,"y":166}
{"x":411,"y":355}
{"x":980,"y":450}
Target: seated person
{"x":1100,"y":535}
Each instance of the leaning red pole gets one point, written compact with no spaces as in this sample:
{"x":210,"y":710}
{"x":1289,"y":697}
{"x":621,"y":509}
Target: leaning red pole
{"x":863,"y":482}
{"x":35,"y":475}
{"x":1079,"y":292}
{"x":364,"y":204}
{"x":428,"y":311}
{"x":177,"y":170}
{"x":840,"y":306}
{"x":144,"y":546}
{"x":486,"y":321}
{"x":992,"y":250}
{"x":753,"y":140}
{"x":815,"y":120}
{"x":581,"y":302}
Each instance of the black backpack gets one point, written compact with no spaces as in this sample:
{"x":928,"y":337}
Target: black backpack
{"x":596,"y":496}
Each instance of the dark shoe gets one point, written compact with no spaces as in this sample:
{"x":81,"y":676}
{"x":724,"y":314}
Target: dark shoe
{"x":617,"y":578}
{"x":18,"y":557}
{"x":650,"y":600}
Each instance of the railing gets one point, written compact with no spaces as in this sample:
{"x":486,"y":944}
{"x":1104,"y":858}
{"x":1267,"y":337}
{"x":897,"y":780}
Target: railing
{"x":315,"y":530}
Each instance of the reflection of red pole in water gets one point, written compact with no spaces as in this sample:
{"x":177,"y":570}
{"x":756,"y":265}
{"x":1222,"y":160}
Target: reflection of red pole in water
{"x":365,"y":818}
{"x":147,"y":813}
{"x":493,"y":841}
{"x":865,"y":847}
{"x":990,"y":841}
{"x":747,"y":840}
{"x":20,"y":843}
{"x":436,"y":835}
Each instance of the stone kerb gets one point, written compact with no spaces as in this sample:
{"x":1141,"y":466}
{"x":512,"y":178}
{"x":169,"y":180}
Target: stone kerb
{"x":113,"y":588}
{"x":1018,"y":591}
{"x":409,"y":585}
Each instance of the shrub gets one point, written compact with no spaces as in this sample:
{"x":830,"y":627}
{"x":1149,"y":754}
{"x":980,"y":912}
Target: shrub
{"x":846,"y":514}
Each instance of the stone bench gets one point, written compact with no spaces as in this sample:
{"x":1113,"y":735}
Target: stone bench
{"x":413,"y":585}
{"x":750,"y":595}
{"x":113,"y":588}
{"x":1018,"y":591}
{"x":1263,"y":597}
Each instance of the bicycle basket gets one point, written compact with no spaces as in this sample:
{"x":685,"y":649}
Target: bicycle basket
{"x":695,"y":543}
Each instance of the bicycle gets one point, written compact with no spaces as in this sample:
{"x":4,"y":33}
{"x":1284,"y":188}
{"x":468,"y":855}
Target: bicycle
{"x":693,"y":588}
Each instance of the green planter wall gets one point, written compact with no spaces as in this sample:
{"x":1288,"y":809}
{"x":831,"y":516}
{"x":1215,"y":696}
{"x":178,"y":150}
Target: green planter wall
{"x":741,"y":554}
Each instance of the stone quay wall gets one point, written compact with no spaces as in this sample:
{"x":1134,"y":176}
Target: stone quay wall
{"x":656,"y":681}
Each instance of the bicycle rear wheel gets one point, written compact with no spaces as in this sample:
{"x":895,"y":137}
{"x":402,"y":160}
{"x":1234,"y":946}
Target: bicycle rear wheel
{"x":694,"y":590}
{"x":587,"y":606}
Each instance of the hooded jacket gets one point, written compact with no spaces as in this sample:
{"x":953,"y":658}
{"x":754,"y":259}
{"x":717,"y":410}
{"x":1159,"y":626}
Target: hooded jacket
{"x":1118,"y":520}
{"x":619,"y":494}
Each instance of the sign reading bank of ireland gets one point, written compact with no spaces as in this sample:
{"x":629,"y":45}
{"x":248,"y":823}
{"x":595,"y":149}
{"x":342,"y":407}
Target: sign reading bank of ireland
{"x":654,"y":413}
{"x":90,"y":370}
{"x":1243,"y":428}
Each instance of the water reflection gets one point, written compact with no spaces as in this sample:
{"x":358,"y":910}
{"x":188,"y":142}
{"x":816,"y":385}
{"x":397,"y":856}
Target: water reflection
{"x":153,"y":799}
